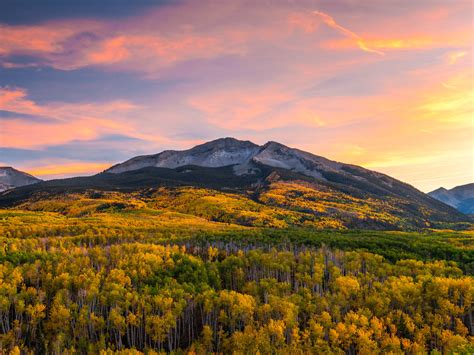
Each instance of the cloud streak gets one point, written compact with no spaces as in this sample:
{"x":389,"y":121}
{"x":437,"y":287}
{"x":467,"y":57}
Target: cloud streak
{"x":66,"y":121}
{"x":328,"y":20}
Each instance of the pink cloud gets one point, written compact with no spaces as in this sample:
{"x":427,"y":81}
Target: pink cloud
{"x":303,"y":21}
{"x":146,"y":43}
{"x":14,"y":99}
{"x":111,"y":51}
{"x":233,"y":109}
{"x":68,"y":121}
{"x":160,"y":38}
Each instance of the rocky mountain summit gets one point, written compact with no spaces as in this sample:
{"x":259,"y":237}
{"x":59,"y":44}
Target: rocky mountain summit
{"x":218,"y":153}
{"x":10,"y":178}
{"x":245,"y":157}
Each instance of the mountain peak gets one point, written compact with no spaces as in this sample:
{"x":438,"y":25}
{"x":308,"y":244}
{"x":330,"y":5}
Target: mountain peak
{"x":243,"y":155}
{"x":439,"y":190}
{"x":459,"y":197}
{"x":217,"y":153}
{"x":11,"y":177}
{"x":273,"y":144}
{"x":251,"y":161}
{"x":226,"y":142}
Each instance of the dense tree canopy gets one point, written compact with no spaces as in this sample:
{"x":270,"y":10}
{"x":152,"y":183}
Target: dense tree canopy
{"x":145,"y":279}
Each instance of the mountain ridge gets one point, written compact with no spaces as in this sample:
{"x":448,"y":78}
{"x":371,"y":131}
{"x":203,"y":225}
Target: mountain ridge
{"x":176,"y":158}
{"x":290,"y":182}
{"x":460,"y":197}
{"x":272,"y":153}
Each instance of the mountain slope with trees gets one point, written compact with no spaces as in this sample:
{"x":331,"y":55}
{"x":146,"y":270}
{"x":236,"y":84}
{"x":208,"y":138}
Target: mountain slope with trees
{"x":285,"y":183}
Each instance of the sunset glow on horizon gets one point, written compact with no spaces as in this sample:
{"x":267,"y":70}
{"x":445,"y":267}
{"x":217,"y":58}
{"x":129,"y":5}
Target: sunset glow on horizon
{"x":385,"y":85}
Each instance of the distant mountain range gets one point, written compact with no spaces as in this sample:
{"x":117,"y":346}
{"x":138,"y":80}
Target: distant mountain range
{"x":459,"y":197}
{"x":272,"y":175}
{"x":10,"y":178}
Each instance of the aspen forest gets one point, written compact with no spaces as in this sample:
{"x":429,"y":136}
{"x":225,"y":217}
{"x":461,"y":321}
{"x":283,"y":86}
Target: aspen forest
{"x":236,"y":177}
{"x":113,"y":275}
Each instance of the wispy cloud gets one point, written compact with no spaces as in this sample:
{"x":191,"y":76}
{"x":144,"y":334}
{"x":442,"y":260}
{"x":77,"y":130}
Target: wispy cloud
{"x":454,"y":57}
{"x":328,"y":20}
{"x":67,"y":121}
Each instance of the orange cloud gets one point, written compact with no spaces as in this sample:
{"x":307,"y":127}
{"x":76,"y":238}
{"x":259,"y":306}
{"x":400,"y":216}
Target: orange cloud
{"x":62,"y":168}
{"x":359,"y":41}
{"x":450,"y":105}
{"x":423,"y":27}
{"x":413,"y":42}
{"x":423,"y":137}
{"x":139,"y":45}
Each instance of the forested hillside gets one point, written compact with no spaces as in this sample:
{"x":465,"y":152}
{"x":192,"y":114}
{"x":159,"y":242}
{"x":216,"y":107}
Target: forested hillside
{"x":282,"y":199}
{"x":200,"y":273}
